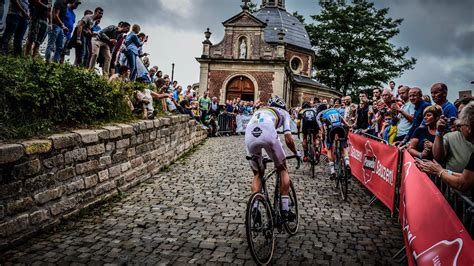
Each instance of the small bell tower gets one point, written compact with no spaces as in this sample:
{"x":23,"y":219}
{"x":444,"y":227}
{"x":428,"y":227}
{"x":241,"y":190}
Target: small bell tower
{"x":273,"y":3}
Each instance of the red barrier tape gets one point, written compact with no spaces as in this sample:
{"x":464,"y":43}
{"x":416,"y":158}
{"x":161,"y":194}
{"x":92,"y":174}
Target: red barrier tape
{"x":432,"y":232}
{"x":374,"y":164}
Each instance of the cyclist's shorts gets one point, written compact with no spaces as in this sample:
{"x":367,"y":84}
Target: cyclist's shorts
{"x":310,"y":126}
{"x":263,"y":136}
{"x":332,"y":132}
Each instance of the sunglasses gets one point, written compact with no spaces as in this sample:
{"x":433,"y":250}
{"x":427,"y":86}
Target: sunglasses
{"x":459,"y":126}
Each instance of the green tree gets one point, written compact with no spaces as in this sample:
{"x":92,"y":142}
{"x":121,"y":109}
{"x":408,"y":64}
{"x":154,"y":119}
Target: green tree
{"x":299,"y":17}
{"x":353,"y":48}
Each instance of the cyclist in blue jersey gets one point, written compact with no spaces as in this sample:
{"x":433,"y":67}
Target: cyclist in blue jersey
{"x":332,"y":123}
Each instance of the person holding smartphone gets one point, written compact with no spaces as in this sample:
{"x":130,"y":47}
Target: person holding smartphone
{"x":451,"y":148}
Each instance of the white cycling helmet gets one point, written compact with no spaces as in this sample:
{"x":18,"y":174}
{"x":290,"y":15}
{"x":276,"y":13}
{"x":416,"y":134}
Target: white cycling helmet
{"x":276,"y":101}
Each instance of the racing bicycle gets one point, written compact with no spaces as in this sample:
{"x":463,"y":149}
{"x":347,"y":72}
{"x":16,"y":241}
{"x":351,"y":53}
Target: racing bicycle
{"x":342,"y":173}
{"x":313,"y":154}
{"x":262,"y":217}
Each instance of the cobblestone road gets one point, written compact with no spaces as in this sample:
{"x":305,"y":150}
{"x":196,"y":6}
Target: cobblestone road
{"x":193,"y":213}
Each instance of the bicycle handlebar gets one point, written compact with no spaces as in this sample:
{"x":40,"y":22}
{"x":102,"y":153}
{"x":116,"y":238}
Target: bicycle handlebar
{"x":268,"y":160}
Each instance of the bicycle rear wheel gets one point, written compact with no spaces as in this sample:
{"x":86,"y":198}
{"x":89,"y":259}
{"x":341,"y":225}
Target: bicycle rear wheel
{"x":292,"y":227}
{"x":337,"y":159}
{"x":343,"y":179}
{"x":259,"y":229}
{"x":311,"y":153}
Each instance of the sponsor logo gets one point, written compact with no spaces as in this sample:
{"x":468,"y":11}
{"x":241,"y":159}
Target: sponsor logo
{"x":257,"y":132}
{"x":371,"y":165}
{"x":369,"y":162}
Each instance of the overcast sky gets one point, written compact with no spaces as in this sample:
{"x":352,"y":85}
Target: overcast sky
{"x":440,"y":34}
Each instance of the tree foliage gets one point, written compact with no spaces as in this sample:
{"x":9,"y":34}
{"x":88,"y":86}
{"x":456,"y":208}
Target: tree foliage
{"x":353,"y":48}
{"x":299,"y":17}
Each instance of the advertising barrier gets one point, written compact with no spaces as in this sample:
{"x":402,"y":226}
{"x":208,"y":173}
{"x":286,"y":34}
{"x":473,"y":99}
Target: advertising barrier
{"x":374,"y":164}
{"x":242,"y":122}
{"x":432,"y":232}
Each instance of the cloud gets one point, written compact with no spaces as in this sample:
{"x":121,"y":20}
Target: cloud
{"x":453,"y":71}
{"x":178,"y":46}
{"x":181,"y":8}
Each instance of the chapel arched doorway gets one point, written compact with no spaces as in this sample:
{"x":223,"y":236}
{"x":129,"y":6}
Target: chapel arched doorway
{"x":241,"y":87}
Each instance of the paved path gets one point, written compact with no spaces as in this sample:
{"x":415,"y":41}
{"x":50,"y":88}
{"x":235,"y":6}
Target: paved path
{"x":193,"y":213}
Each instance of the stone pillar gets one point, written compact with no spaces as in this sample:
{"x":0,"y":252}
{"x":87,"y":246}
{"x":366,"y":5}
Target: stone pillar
{"x":203,"y":78}
{"x":206,"y":44}
{"x":281,"y":45}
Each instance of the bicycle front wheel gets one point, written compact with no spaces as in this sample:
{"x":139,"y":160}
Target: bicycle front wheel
{"x":343,"y":181}
{"x":341,"y":175}
{"x":259,"y":229}
{"x":292,"y":227}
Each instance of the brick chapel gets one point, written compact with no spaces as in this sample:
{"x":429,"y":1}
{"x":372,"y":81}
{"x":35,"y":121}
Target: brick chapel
{"x":262,"y":54}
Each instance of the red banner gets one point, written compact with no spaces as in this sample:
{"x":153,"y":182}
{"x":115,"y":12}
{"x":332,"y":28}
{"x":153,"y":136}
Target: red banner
{"x":432,"y":232}
{"x":374,"y":164}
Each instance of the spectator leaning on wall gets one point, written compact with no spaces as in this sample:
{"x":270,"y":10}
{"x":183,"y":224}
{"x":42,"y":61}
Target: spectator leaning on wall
{"x":104,"y":41}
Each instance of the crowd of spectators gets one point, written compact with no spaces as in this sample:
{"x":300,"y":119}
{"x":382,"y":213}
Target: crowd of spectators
{"x":118,"y":51}
{"x":435,"y":131}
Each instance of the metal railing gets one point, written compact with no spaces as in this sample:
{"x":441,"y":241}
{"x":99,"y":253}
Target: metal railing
{"x":461,"y":203}
{"x":226,"y":124}
{"x":358,"y":132}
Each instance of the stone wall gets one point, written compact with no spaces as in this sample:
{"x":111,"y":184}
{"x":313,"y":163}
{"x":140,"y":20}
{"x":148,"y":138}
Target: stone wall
{"x":43,"y":181}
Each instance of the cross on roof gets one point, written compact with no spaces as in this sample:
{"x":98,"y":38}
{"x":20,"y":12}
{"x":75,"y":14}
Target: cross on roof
{"x":246,"y":3}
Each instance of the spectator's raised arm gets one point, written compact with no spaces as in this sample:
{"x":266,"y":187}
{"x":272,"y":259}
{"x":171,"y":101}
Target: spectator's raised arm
{"x":438,"y":146}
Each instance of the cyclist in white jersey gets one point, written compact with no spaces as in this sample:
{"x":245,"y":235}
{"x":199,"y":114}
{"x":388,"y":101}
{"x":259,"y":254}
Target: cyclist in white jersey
{"x":261,"y":133}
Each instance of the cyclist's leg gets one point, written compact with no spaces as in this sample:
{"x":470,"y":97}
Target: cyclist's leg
{"x":305,"y":145}
{"x":278,"y":156}
{"x":316,"y":141}
{"x":345,"y":149}
{"x":330,"y":153}
{"x":254,"y":147}
{"x":256,"y":165}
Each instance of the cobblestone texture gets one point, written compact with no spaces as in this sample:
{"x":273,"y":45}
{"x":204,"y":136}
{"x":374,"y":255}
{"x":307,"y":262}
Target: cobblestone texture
{"x":194,"y":213}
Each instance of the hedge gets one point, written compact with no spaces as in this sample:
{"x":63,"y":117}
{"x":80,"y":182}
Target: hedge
{"x":38,"y":98}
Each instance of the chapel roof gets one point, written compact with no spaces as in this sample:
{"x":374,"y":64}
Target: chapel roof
{"x":278,"y":19}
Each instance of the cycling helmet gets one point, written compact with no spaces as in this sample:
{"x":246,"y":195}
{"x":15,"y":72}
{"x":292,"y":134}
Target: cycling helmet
{"x":276,"y":101}
{"x":321,"y":107}
{"x":306,"y":105}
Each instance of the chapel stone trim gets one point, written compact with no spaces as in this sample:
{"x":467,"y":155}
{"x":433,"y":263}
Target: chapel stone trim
{"x":273,"y":37}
